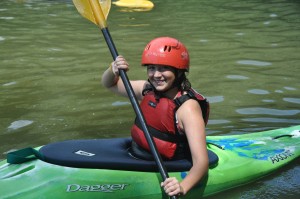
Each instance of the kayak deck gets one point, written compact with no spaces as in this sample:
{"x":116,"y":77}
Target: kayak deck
{"x":107,"y":154}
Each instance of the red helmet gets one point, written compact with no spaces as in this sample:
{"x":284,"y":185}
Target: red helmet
{"x":166,"y":51}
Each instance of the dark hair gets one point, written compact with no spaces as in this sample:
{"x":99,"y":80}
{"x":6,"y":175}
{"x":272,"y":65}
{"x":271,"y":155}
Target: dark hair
{"x":182,"y":82}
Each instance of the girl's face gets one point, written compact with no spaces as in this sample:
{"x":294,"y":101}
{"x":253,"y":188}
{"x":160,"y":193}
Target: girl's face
{"x":161,"y":77}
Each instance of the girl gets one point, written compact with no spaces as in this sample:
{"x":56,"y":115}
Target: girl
{"x":175,"y":113}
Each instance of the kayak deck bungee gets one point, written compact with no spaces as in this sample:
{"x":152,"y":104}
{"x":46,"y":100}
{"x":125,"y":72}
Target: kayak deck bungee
{"x":236,"y":160}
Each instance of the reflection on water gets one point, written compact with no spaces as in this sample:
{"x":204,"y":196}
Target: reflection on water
{"x":244,"y":58}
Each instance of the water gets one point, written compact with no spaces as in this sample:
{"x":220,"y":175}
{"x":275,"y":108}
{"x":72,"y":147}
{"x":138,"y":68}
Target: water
{"x":244,"y":58}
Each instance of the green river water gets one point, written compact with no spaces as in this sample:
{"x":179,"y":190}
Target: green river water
{"x":244,"y":58}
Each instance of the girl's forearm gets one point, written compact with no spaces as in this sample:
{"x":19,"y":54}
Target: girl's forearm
{"x":195,"y":175}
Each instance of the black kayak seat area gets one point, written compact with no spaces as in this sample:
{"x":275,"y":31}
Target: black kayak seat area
{"x":107,"y":154}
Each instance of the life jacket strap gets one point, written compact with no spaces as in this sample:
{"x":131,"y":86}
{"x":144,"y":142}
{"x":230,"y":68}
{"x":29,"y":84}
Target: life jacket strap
{"x":180,"y":100}
{"x":174,"y":138}
{"x":203,"y":103}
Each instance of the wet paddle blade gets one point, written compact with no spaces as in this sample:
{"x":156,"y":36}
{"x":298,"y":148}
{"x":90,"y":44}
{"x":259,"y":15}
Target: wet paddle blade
{"x":86,"y":9}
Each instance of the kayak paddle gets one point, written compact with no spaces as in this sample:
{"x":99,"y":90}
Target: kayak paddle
{"x":134,"y":4}
{"x":97,"y":12}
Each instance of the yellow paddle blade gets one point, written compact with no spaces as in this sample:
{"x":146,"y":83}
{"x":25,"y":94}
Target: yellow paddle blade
{"x":94,"y":10}
{"x":134,"y":3}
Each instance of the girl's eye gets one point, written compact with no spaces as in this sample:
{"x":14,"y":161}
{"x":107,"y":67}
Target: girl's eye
{"x":165,"y":68}
{"x":151,"y":67}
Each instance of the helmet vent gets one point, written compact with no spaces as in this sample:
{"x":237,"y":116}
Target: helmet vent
{"x":167,"y":48}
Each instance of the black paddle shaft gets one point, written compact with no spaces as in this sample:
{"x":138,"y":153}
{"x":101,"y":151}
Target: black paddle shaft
{"x":136,"y":107}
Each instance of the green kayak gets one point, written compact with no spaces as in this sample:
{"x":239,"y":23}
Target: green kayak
{"x":104,"y":168}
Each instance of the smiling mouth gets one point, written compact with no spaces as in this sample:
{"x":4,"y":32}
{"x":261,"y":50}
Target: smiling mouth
{"x":159,"y":82}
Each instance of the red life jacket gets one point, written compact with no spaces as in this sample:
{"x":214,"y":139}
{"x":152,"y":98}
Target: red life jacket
{"x":160,"y":118}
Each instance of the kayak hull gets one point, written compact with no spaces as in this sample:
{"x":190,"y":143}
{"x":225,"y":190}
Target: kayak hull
{"x":242,"y":159}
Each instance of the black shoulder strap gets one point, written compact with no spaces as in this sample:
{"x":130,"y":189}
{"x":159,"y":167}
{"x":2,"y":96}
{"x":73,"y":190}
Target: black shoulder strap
{"x":148,"y":88}
{"x":203,"y":103}
{"x":180,"y":100}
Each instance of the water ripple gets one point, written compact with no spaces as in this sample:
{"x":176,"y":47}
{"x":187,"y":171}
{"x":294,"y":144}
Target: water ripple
{"x":266,"y":111}
{"x":7,"y":18}
{"x":19,"y":124}
{"x":254,"y":63}
{"x":218,"y":121}
{"x":268,"y":100}
{"x":273,"y":15}
{"x":215,"y":99}
{"x":236,"y":77}
{"x":119,"y":103}
{"x":271,"y":120}
{"x":9,"y":84}
{"x":258,"y":92}
{"x":292,"y":100}
{"x":290,"y":88}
